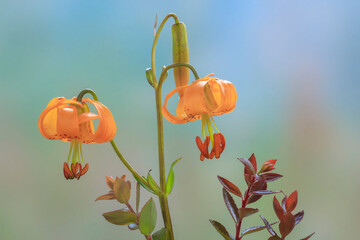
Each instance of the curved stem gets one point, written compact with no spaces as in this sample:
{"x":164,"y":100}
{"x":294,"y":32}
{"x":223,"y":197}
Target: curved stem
{"x":157,"y":35}
{"x":174,"y":65}
{"x":85,"y":91}
{"x":127,"y":165}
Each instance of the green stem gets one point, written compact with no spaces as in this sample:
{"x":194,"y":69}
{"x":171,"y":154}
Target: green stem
{"x":174,"y":65}
{"x":163,"y":198}
{"x":85,"y":91}
{"x":127,"y":165}
{"x":157,"y":35}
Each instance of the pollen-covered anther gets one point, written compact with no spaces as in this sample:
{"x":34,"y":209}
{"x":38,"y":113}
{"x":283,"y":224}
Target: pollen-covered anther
{"x":203,"y":147}
{"x":219,"y":145}
{"x":67,"y":172}
{"x":75,"y":170}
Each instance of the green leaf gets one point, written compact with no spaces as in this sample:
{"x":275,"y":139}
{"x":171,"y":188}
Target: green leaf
{"x":171,"y":176}
{"x":120,"y":217}
{"x":147,"y":219}
{"x":137,"y":196}
{"x":122,"y":189}
{"x":133,"y":226}
{"x":245,"y":212}
{"x":153,"y":185}
{"x":254,"y":229}
{"x":221,"y":229}
{"x":143,"y":185}
{"x":159,"y":235}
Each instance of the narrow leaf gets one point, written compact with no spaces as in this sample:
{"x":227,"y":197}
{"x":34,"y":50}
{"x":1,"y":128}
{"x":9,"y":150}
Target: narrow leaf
{"x":287,"y":224}
{"x":147,"y":219}
{"x":254,"y":229}
{"x":291,"y":202}
{"x":230,"y":186}
{"x":159,"y":235}
{"x":108,"y":196}
{"x":143,"y":185}
{"x":252,"y":159}
{"x":221,"y":229}
{"x":306,"y":238}
{"x":270,"y":177}
{"x":278,"y":209}
{"x":268,"y":226}
{"x":154,"y":186}
{"x":110,"y":182}
{"x":170,"y":179}
{"x":231,"y":205}
{"x":133,"y":226}
{"x":298,"y":217}
{"x":120,"y":217}
{"x":137,"y":196}
{"x":248,"y":166}
{"x":283,"y":202}
{"x":245,"y":212}
{"x":264,"y":192}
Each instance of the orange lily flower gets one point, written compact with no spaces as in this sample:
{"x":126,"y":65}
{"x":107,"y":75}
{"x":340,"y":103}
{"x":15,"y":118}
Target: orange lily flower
{"x":70,"y":121}
{"x":203,"y":99}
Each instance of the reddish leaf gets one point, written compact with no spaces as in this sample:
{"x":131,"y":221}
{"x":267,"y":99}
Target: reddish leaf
{"x":249,"y":178}
{"x":254,"y":229}
{"x":110,"y":182}
{"x":274,"y":238}
{"x":231,"y":205}
{"x":278,"y":209}
{"x":283,"y":202}
{"x":306,"y":238}
{"x":264,"y":192}
{"x":108,"y":196}
{"x":287,"y":224}
{"x":291,"y":202}
{"x":230,"y":186}
{"x":249,"y":169}
{"x":298,"y":217}
{"x":259,"y":184}
{"x":270,"y":177}
{"x":252,"y":159}
{"x":268,"y":226}
{"x":268,"y":166}
{"x":245,"y":212}
{"x":221,"y":229}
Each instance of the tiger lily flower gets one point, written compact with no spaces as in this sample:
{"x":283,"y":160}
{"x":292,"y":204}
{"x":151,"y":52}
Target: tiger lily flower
{"x":203,"y":99}
{"x":71,"y":121}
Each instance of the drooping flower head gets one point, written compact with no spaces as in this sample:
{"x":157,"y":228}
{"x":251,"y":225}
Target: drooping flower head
{"x":203,"y":99}
{"x":71,"y":121}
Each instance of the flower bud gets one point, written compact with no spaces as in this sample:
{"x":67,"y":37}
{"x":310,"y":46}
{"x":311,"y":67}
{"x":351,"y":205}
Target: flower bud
{"x":180,"y":55}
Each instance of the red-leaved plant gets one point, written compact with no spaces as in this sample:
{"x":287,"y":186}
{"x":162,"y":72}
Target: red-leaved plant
{"x":256,"y":181}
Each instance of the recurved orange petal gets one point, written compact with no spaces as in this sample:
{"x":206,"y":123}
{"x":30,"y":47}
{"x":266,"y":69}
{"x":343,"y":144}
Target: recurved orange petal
{"x":106,"y":129}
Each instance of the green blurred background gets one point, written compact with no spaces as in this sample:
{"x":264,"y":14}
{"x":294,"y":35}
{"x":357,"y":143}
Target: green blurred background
{"x":295,"y":65}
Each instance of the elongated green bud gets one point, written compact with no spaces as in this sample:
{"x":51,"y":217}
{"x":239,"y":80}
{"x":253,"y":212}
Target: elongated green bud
{"x":180,"y":55}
